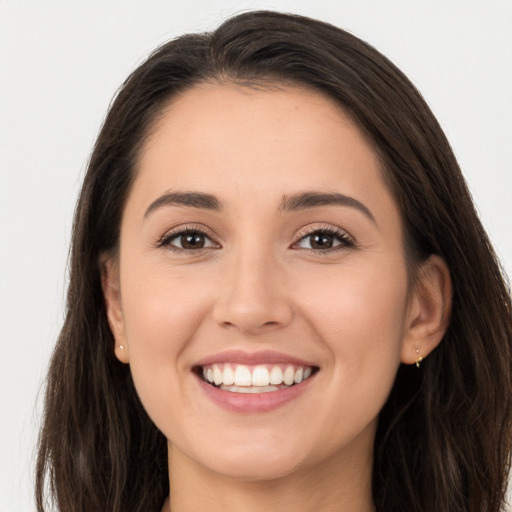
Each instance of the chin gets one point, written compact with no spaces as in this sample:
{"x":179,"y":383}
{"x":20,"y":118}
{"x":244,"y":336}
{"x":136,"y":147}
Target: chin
{"x":257,"y":469}
{"x":257,"y":461}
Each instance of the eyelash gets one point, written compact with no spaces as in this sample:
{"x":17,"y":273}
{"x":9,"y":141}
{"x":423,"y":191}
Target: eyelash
{"x":174,"y":234}
{"x":346,"y":242}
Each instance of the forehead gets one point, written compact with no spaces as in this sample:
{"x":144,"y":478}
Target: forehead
{"x":259,"y":115}
{"x":257,"y":143}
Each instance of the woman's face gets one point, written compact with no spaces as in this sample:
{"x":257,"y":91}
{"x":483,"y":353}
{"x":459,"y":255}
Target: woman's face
{"x":260,"y":246}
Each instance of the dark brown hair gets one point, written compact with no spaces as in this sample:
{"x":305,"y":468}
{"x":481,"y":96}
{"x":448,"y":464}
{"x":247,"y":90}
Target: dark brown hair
{"x":444,"y":436}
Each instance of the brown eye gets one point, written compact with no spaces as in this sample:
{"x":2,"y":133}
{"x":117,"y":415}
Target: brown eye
{"x":321,"y":241}
{"x":188,"y":240}
{"x":192,"y":241}
{"x":325,"y":240}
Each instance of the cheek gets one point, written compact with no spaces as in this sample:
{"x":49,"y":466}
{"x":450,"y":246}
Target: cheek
{"x":360,"y":317}
{"x":162,"y":308}
{"x":360,"y":307}
{"x":162,"y":316}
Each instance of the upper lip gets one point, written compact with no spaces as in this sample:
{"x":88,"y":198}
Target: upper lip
{"x":253,"y":358}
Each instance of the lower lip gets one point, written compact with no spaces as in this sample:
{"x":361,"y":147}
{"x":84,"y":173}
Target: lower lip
{"x":254,"y":402}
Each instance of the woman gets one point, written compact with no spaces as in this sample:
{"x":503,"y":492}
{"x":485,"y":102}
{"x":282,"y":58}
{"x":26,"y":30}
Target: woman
{"x":281,"y":295}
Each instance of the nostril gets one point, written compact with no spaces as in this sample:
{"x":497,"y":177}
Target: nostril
{"x":252,"y":309}
{"x":245,"y":326}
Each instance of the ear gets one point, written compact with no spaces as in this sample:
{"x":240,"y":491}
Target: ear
{"x":112,"y":295}
{"x":429,"y":310}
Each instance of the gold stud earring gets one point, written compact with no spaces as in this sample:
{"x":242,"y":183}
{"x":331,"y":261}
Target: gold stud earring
{"x":418,"y":361}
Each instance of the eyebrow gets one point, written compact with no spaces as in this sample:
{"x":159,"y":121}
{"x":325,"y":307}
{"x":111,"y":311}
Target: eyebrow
{"x":295,"y":202}
{"x":193,"y":199}
{"x":314,"y":199}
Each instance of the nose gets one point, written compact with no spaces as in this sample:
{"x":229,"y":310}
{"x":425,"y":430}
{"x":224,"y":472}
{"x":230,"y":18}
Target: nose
{"x":253,"y":297}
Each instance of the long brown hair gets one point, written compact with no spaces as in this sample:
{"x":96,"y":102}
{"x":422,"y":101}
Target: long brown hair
{"x":444,"y":436}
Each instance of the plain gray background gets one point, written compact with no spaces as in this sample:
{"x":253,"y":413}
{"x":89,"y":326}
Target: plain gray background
{"x":62,"y":61}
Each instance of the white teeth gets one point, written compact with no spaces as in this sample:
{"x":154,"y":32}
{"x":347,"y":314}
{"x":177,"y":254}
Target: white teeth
{"x":289,"y":375}
{"x":254,"y":379}
{"x":243,"y":376}
{"x":249,"y":389}
{"x":276,"y":375}
{"x":217,"y":375}
{"x":228,"y":376}
{"x":260,"y":376}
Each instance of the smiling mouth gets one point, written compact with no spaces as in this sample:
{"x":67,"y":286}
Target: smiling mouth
{"x":264,"y":378}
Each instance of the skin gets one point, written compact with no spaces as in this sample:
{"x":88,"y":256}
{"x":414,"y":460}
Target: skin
{"x":260,"y":284}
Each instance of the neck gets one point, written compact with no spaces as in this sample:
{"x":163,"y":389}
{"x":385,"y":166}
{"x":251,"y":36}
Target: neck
{"x":340,"y":483}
